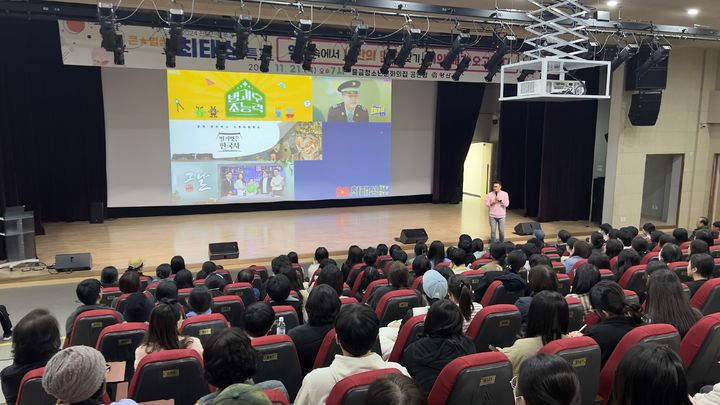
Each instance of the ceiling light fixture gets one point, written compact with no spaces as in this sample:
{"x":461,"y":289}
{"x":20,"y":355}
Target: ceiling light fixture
{"x":612,"y":3}
{"x":693,"y":11}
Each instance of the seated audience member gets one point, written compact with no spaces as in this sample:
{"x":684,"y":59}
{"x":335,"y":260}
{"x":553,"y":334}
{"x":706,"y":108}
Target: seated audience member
{"x":442,"y":341}
{"x":296,"y":283}
{"x":457,"y":260}
{"x":247,"y":276}
{"x":399,"y":255}
{"x":395,"y":389}
{"x":600,"y":261}
{"x":294,"y":259}
{"x":279,"y":262}
{"x":207,"y":268}
{"x":322,"y":308}
{"x":715,"y":230}
{"x":36,"y":340}
{"x":498,"y":254}
{"x":655,"y":239}
{"x":420,"y":265}
{"x":109,"y":277}
{"x":640,"y":245}
{"x":650,"y":374}
{"x":229,"y":358}
{"x":88,"y":292}
{"x":259,"y":319}
{"x":705,"y":235}
{"x":613,"y":247}
{"x":516,"y":260}
{"x":183,"y":279}
{"x":497,"y":270}
{"x":647,"y":230}
{"x":398,"y":278}
{"x":460,"y":292}
{"x":670,"y":253}
{"x":701,"y":225}
{"x":332,"y":276}
{"x":436,"y":253}
{"x":540,"y":278}
{"x":680,"y":235}
{"x":135,"y":264}
{"x":355,"y":256}
{"x":538,"y":259}
{"x":199,"y":301}
{"x":617,"y":317}
{"x":215,"y":283}
{"x":634,"y":232}
{"x":166,"y":290}
{"x":597,"y":243}
{"x":666,"y":302}
{"x":76,"y":376}
{"x":528,"y":249}
{"x":478,"y":248}
{"x":654,"y":265}
{"x":562,"y":240}
{"x":163,"y":333}
{"x":369,"y":259}
{"x":547,"y":321}
{"x":466,"y":245}
{"x":278,"y":289}
{"x":570,"y":244}
{"x":357,"y":329}
{"x":665,"y":239}
{"x":162,"y":271}
{"x":129,"y":282}
{"x":626,"y":259}
{"x":394,"y":248}
{"x":369,"y":275}
{"x":700,"y":270}
{"x":580,"y":250}
{"x":177,"y":263}
{"x":614,"y":234}
{"x":698,"y":246}
{"x":547,"y":379}
{"x":321,"y":254}
{"x":382,"y":249}
{"x":539,"y":234}
{"x":137,"y":308}
{"x":605,"y":230}
{"x":420,"y":249}
{"x":625,"y":236}
{"x":586,"y":276}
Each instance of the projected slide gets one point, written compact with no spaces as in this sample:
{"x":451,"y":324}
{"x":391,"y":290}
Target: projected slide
{"x":246,"y":137}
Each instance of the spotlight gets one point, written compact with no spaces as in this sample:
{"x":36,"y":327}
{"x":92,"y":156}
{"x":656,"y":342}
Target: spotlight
{"x":302,"y":38}
{"x":524,"y":74}
{"x":356,"y":43}
{"x":175,"y":42}
{"x":592,"y":50}
{"x":119,"y":51}
{"x":265,"y":58}
{"x":427,"y":61}
{"x":112,"y":40}
{"x":493,"y":65}
{"x":660,"y":54}
{"x":624,"y":55}
{"x":410,"y":40}
{"x":388,"y":60}
{"x":458,"y":47}
{"x":243,"y":28}
{"x":220,"y":54}
{"x":461,"y":67}
{"x":308,"y":56}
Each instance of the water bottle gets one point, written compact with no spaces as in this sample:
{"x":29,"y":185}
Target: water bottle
{"x":280,"y":326}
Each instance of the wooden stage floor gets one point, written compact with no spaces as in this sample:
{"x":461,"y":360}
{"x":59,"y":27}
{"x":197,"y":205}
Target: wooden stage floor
{"x":263,"y":235}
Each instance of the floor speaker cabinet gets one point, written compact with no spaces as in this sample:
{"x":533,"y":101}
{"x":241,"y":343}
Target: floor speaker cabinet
{"x":97,"y":212}
{"x":412,"y":236}
{"x":223,"y":250}
{"x":644,"y":108}
{"x":73,"y":262}
{"x":526,"y":228}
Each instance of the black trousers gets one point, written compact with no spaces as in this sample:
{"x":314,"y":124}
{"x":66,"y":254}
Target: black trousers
{"x":5,"y":320}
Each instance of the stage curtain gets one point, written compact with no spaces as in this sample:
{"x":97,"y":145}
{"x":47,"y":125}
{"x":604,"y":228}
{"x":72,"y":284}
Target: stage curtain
{"x":511,"y":155}
{"x":52,"y":126}
{"x":456,"y":114}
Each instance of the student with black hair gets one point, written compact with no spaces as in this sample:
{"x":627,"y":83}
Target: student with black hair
{"x":323,"y":306}
{"x":393,"y":248}
{"x":540,"y":278}
{"x":357,"y":330}
{"x":562,"y":239}
{"x":586,"y":276}
{"x":420,"y":265}
{"x":460,"y":292}
{"x":129,"y":282}
{"x":605,"y":230}
{"x":670,"y":253}
{"x":293,"y":256}
{"x":258,"y":319}
{"x":207,"y":268}
{"x":177,"y":263}
{"x":626,"y":259}
{"x":458,"y":260}
{"x":278,"y":289}
{"x":547,"y":379}
{"x":137,"y":308}
{"x":398,"y":278}
{"x":700,"y":270}
{"x":420,"y":249}
{"x":369,"y":275}
{"x":166,"y":289}
{"x":698,"y":246}
{"x":498,"y":254}
{"x":382,"y":249}
{"x":162,"y":271}
{"x":199,"y":301}
{"x":183,"y":279}
{"x":548,"y":320}
{"x":478,"y":248}
{"x":321,"y":254}
{"x":613,"y":247}
{"x":666,"y":302}
{"x":654,"y":239}
{"x":399,"y":255}
{"x":368,"y":258}
{"x":680,"y":235}
{"x":539,"y":259}
{"x":247,"y":276}
{"x":442,"y":341}
{"x":163,"y":333}
{"x":279,"y":262}
{"x":497,"y":270}
{"x":580,"y":250}
{"x":650,"y":374}
{"x":515,"y":261}
{"x":701,"y":225}
{"x":640,"y":245}
{"x":705,"y":235}
{"x":395,"y":389}
{"x":89,"y":293}
{"x":625,"y":236}
{"x":648,"y":229}
{"x":215,"y":283}
{"x":601,"y":261}
{"x":597,"y":243}
{"x":436,"y":253}
{"x":109,"y":277}
{"x":332,"y":276}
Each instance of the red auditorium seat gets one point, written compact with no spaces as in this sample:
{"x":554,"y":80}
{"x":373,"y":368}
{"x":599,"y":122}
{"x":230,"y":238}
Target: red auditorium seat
{"x":715,"y":251}
{"x":558,"y":267}
{"x":648,"y":256}
{"x":417,"y":283}
{"x":31,"y":391}
{"x":607,"y":274}
{"x":329,"y":348}
{"x":632,"y":297}
{"x":686,"y":290}
{"x":225,"y":274}
{"x":446,"y":264}
{"x":355,"y":273}
{"x":583,"y":354}
{"x":700,"y":351}
{"x":479,"y":263}
{"x":716,"y":269}
{"x":716,"y":241}
{"x":482,"y":378}
{"x":183,"y":294}
{"x":231,"y":307}
{"x":382,"y":260}
{"x":353,"y":389}
{"x":473,"y":277}
{"x":118,"y":343}
{"x":88,"y":326}
{"x":199,"y":282}
{"x":347,"y":300}
{"x":151,"y":288}
{"x":278,"y":361}
{"x":395,"y":304}
{"x":496,"y":294}
{"x":243,"y":290}
{"x":202,"y":326}
{"x":613,"y":263}
{"x":552,"y":256}
{"x":109,"y":294}
{"x":656,"y":333}
{"x":634,"y":279}
{"x":578,"y":264}
{"x":371,"y":287}
{"x":563,"y":283}
{"x":169,"y":374}
{"x":289,"y":316}
{"x":680,"y":268}
{"x":577,"y":313}
{"x":496,"y":325}
{"x":259,"y":270}
{"x":685,"y":245}
{"x":358,"y":280}
{"x":707,"y":298}
{"x":549,"y":249}
{"x":276,"y":397}
{"x":408,"y":334}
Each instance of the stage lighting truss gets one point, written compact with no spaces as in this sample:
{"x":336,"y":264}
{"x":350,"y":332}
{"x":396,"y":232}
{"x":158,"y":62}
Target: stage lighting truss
{"x":302,"y":39}
{"x":174,"y":41}
{"x":112,"y":38}
{"x":265,"y":58}
{"x":458,"y":47}
{"x":410,"y":40}
{"x":427,"y":61}
{"x":243,"y":29}
{"x":355,"y":46}
{"x":388,"y":60}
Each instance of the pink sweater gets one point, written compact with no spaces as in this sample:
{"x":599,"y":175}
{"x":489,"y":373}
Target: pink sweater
{"x":497,"y":210}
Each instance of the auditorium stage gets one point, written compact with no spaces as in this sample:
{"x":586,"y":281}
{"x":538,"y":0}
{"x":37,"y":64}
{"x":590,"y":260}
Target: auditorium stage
{"x":263,"y":235}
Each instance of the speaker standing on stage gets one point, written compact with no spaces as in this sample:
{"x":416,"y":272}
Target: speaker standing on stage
{"x":497,"y":201}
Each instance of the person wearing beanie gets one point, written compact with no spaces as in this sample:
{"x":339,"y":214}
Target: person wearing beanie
{"x":76,"y":376}
{"x":135,"y":264}
{"x":242,"y":394}
{"x":137,"y":308}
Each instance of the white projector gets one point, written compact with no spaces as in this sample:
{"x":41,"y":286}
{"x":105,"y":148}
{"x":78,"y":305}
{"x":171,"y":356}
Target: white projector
{"x":558,"y":87}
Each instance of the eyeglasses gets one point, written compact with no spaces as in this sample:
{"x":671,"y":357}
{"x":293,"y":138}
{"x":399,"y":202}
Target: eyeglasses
{"x":514,"y":386}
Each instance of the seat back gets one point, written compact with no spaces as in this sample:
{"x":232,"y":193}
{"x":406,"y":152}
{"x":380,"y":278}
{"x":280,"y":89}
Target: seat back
{"x":700,"y":351}
{"x":680,"y":268}
{"x":169,"y":374}
{"x":613,"y":263}
{"x":31,"y":391}
{"x":352,"y":390}
{"x":152,"y":287}
{"x":89,"y":324}
{"x":231,"y":307}
{"x":371,"y":287}
{"x":202,"y":326}
{"x":184,"y":294}
{"x":648,"y":256}
{"x":262,"y":271}
{"x":355,"y":288}
{"x":329,"y":348}
{"x":634,"y":279}
{"x":707,"y":297}
{"x":225,"y":274}
{"x":118,"y":343}
{"x":276,"y":397}
{"x":347,"y":301}
{"x":417,"y":283}
{"x":479,"y":263}
{"x":607,"y":274}
{"x":563,"y":283}
{"x":199,"y":282}
{"x":482,"y":378}
{"x":409,"y":333}
{"x":631,"y":297}
{"x":657,"y":333}
{"x":496,"y":325}
{"x":497,"y":294}
{"x":583,"y":354}
{"x":109,"y":294}
{"x":395,"y":304}
{"x":290,"y":317}
{"x":473,"y":277}
{"x":576,"y":312}
{"x":578,"y":264}
{"x":278,"y":361}
{"x":243,"y":290}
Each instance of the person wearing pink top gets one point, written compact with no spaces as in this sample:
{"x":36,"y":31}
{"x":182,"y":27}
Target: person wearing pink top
{"x":497,"y":201}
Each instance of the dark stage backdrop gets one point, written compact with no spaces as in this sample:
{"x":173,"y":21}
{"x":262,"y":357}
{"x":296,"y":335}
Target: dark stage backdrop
{"x":52,"y":126}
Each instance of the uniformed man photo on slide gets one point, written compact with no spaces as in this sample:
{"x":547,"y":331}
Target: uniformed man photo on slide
{"x":349,"y":110}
